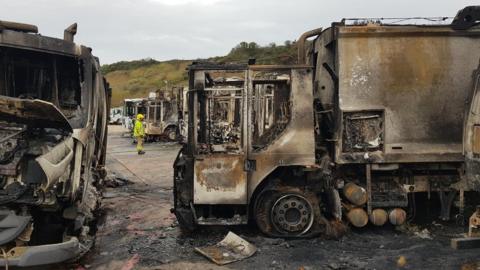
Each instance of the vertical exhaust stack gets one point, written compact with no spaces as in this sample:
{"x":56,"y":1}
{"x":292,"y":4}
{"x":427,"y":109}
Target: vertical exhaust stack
{"x":302,"y":53}
{"x":70,"y":32}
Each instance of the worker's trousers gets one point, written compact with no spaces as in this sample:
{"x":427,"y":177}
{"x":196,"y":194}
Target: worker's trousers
{"x":139,"y":144}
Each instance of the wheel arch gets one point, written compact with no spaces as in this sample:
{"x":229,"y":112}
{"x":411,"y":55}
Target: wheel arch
{"x":273,"y":178}
{"x":170,"y":125}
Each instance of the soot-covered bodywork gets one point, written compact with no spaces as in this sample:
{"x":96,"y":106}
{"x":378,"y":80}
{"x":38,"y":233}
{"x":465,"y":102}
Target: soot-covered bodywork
{"x":392,"y":103}
{"x":246,"y":124}
{"x":54,"y":106}
{"x":374,"y":115}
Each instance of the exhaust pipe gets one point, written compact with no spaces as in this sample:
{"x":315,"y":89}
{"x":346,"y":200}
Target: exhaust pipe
{"x":70,"y":32}
{"x":302,"y":53}
{"x":22,"y":27}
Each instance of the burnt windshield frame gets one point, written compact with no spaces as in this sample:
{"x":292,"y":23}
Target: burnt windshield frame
{"x":31,"y":74}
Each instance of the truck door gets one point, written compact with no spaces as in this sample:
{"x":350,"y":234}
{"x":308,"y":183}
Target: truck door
{"x":471,"y":138}
{"x":219,"y":138}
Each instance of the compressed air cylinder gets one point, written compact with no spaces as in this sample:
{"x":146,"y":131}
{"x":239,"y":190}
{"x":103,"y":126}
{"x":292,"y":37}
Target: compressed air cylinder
{"x":358,"y":217}
{"x":397,"y":216}
{"x":378,"y":217}
{"x":355,"y":194}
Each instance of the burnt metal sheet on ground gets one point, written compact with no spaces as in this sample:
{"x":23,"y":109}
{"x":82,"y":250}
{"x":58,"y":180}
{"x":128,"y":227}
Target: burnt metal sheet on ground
{"x":231,"y":249}
{"x":220,"y":179}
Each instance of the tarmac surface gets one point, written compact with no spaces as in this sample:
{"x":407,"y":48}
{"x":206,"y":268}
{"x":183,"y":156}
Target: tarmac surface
{"x":137,"y":231}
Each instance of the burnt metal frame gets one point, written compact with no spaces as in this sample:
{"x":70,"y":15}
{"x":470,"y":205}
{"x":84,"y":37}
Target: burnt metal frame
{"x":197,"y":78}
{"x":89,"y":131}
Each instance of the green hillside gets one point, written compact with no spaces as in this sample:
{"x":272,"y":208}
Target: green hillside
{"x":134,"y":79}
{"x":139,"y":81}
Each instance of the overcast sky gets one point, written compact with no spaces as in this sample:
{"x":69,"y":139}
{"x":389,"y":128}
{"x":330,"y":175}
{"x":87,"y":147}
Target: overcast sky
{"x":188,"y":29}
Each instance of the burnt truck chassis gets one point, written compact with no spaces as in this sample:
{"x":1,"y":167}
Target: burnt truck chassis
{"x":54,"y":106}
{"x":373,"y":114}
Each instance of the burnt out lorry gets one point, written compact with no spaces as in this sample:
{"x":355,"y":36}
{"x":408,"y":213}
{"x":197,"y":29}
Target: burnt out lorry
{"x":54,"y":106}
{"x":372,"y":115}
{"x":161,"y":116}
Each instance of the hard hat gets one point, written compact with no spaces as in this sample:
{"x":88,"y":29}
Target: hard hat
{"x":140,"y":116}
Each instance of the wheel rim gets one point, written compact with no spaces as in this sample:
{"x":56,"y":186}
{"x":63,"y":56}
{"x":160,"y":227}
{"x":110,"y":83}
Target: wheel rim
{"x":172,"y":135}
{"x":292,"y":214}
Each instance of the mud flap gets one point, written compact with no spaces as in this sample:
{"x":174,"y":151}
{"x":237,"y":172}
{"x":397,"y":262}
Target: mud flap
{"x":185,"y":218}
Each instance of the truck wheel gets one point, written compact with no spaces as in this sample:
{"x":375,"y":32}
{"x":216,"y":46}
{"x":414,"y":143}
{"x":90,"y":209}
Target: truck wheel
{"x":290,"y":212}
{"x":171,"y":134}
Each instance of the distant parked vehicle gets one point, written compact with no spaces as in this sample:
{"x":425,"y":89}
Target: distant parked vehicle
{"x":116,"y":115}
{"x":131,"y":107}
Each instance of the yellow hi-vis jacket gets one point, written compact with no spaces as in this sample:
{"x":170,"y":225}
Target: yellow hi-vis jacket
{"x":138,"y":130}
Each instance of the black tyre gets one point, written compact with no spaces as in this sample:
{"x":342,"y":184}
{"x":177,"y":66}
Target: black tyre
{"x":285,"y":213}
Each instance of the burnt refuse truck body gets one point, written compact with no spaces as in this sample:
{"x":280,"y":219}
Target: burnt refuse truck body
{"x":54,"y":105}
{"x":372,"y":114}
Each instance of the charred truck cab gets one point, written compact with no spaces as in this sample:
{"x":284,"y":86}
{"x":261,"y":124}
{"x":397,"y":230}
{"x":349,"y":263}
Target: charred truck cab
{"x":373,"y":114}
{"x":54,"y":106}
{"x":249,"y":131}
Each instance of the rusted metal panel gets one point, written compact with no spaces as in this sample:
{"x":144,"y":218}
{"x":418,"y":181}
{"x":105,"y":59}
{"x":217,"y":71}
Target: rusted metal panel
{"x":472,"y":122}
{"x":296,"y":144}
{"x":476,"y":139}
{"x":419,"y":80}
{"x":220,"y":179}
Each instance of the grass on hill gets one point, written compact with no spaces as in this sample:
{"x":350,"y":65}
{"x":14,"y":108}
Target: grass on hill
{"x":138,"y":82}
